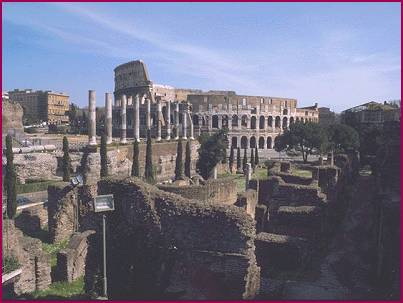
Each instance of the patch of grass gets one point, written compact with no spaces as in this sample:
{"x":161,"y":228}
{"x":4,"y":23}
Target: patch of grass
{"x":260,"y":173}
{"x":61,"y":290}
{"x":34,"y":186}
{"x":302,"y":173}
{"x":53,"y":249}
{"x":10,"y":264}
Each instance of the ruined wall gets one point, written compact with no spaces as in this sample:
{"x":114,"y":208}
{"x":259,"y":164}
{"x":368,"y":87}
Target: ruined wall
{"x":71,"y":260}
{"x":162,"y":246}
{"x":62,"y":211}
{"x":34,"y":263}
{"x":248,"y":201}
{"x":11,"y":116}
{"x":223,"y":191}
{"x":34,"y":166}
{"x":32,"y":220}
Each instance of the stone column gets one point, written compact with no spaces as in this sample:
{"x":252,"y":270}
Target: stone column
{"x":184,"y":122}
{"x":148,"y":114}
{"x":136,"y":118}
{"x":248,"y":122}
{"x":248,"y":175}
{"x":177,"y":120}
{"x":108,"y":116}
{"x":266,"y":121}
{"x":168,"y":121}
{"x":219,"y":121}
{"x":159,"y":120}
{"x":123,"y":117}
{"x":92,"y":128}
{"x":210,"y":122}
{"x":281,"y":123}
{"x":191,"y":126}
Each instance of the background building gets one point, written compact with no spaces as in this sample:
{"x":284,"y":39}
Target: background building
{"x":42,"y":106}
{"x":326,"y":116}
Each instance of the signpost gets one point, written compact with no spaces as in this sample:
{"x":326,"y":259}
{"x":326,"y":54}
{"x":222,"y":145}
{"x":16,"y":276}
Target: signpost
{"x":102,"y":204}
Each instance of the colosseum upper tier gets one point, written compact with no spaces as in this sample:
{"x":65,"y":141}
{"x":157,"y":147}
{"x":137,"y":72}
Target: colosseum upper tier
{"x":170,"y":113}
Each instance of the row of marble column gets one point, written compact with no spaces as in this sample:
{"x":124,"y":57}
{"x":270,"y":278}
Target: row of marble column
{"x":136,"y":118}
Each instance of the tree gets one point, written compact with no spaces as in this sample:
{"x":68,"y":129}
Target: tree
{"x":306,"y":138}
{"x":104,"y":157}
{"x":245,"y":160}
{"x":179,"y":161}
{"x":252,"y":158}
{"x":10,"y":180}
{"x":211,"y":152}
{"x":136,"y":164}
{"x":238,"y":159}
{"x":66,"y":160}
{"x":72,"y":114}
{"x":231,"y":159}
{"x":188,"y":160}
{"x":256,"y":156}
{"x":342,"y":137}
{"x":149,"y":172}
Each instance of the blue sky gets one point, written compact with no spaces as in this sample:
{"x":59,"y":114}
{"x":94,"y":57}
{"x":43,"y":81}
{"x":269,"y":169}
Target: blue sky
{"x":336,"y":54}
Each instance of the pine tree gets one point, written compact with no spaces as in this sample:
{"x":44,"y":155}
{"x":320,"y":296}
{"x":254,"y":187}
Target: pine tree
{"x":66,"y":160}
{"x":252,"y":158}
{"x":179,"y":161}
{"x":188,"y":160}
{"x":136,"y":164}
{"x":231,"y":159}
{"x":149,"y":172}
{"x":104,"y":158}
{"x":245,"y":160}
{"x":256,"y":157}
{"x":10,"y":180}
{"x":238,"y":159}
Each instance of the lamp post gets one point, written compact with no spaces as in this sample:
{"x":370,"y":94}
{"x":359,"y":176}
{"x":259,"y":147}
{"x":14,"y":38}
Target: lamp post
{"x":102,"y":204}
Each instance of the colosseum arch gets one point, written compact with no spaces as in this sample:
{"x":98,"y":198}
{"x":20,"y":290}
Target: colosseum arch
{"x":261,"y":142}
{"x":253,"y":122}
{"x":244,"y":120}
{"x":235,"y":121}
{"x":270,"y":121}
{"x":252,"y":142}
{"x":261,"y":122}
{"x":234,"y":142}
{"x":269,"y":143}
{"x":285,"y":120}
{"x":297,"y":120}
{"x":277,"y":122}
{"x":244,"y":142}
{"x":285,"y":111}
{"x":215,"y":121}
{"x":224,"y":121}
{"x":291,"y":120}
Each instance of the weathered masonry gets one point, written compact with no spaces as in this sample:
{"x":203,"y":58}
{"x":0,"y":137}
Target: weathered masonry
{"x":252,"y":121}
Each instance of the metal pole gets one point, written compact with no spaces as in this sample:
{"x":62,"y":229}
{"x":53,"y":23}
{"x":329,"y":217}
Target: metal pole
{"x":104,"y":246}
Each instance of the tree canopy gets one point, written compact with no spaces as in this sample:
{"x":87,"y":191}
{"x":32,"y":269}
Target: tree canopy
{"x":306,"y":138}
{"x":211,"y":152}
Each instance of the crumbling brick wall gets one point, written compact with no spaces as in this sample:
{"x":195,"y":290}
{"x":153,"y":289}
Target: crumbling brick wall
{"x":32,"y":220}
{"x":161,"y":246}
{"x":248,"y":201}
{"x":34,"y":263}
{"x":71,"y":260}
{"x":223,"y":191}
{"x":62,"y":211}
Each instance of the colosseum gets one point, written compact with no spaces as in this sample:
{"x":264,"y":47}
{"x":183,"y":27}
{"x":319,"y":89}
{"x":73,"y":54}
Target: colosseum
{"x":170,"y":113}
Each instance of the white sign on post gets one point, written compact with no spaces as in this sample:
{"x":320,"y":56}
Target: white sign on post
{"x":104,"y":203}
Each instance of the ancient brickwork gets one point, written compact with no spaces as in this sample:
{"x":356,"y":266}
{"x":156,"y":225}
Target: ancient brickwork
{"x":248,"y":201}
{"x":62,"y":211}
{"x":222,"y":191}
{"x":71,"y":260}
{"x":161,"y":245}
{"x":32,"y":219}
{"x":34,"y":263}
